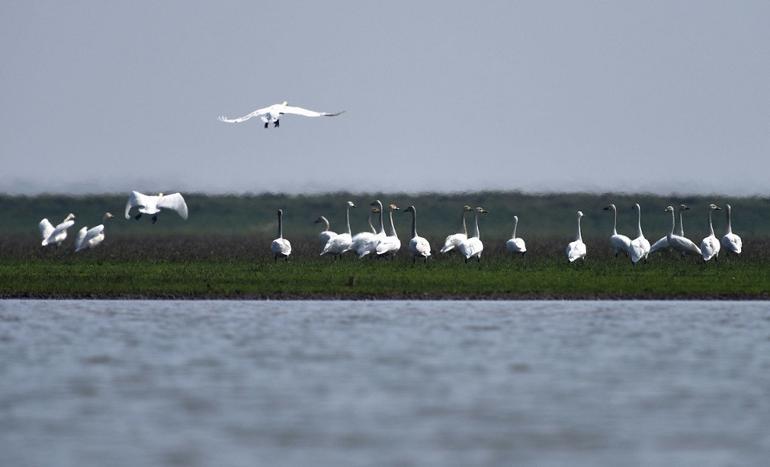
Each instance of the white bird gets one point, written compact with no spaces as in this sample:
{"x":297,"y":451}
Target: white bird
{"x":452,"y":241}
{"x":326,"y":235}
{"x":55,"y":235}
{"x":710,"y":246}
{"x":343,"y":242}
{"x":280,"y":247}
{"x":620,"y":243}
{"x":577,"y":250}
{"x":680,"y":243}
{"x":147,"y":204}
{"x":91,"y":238}
{"x":662,"y":243}
{"x":418,"y":246}
{"x":273,"y":113}
{"x":389,"y":246}
{"x":473,"y":247}
{"x":732,"y":242}
{"x":516,"y":244}
{"x":366,"y":242}
{"x":640,"y":246}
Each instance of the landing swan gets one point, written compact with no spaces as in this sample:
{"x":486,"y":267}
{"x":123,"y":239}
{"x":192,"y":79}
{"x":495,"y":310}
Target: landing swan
{"x":516,"y":244}
{"x":343,"y":242}
{"x":55,"y":235}
{"x":680,"y":243}
{"x":418,"y":246}
{"x":710,"y":246}
{"x":147,"y":204}
{"x":640,"y":246}
{"x":577,"y":250}
{"x":280,"y":247}
{"x":473,"y":247}
{"x":389,"y":246}
{"x":91,"y":238}
{"x":452,"y":241}
{"x":732,"y":242}
{"x":620,"y":243}
{"x":273,"y":113}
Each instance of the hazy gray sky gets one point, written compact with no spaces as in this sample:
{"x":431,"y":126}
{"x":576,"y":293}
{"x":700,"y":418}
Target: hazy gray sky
{"x":539,"y":95}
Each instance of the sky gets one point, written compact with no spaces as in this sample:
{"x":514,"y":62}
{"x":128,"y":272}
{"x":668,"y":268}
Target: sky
{"x":661,"y":96}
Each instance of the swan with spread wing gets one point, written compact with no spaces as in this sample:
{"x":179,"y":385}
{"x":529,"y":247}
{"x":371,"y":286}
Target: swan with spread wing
{"x":147,"y":204}
{"x":273,"y":113}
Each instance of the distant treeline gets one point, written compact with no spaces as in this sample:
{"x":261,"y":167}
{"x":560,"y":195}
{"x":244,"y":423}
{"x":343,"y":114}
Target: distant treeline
{"x":541,"y":215}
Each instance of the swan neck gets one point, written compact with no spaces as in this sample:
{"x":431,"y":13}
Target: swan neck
{"x":280,"y":225}
{"x":681,"y":224}
{"x":414,"y":222}
{"x":673,"y":222}
{"x":711,"y":225}
{"x":382,"y":222}
{"x":347,"y":219}
{"x":639,"y":222}
{"x":614,"y":221}
{"x":326,"y":224}
{"x":392,"y":225}
{"x":476,"y":233}
{"x":371,"y":226}
{"x":465,"y":227}
{"x":729,"y":220}
{"x":515,"y":224}
{"x":579,"y":233}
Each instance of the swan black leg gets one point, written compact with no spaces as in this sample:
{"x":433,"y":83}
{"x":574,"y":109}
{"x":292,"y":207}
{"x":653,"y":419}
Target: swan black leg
{"x":138,"y":216}
{"x":154,"y":219}
{"x":276,"y":124}
{"x":266,"y":124}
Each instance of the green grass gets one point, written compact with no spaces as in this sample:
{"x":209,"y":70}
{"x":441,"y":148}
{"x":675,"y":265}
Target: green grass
{"x":252,"y":274}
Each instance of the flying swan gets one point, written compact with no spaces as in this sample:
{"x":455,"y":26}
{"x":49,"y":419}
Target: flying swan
{"x":147,"y":204}
{"x":55,"y":235}
{"x":272,"y":114}
{"x":91,"y":238}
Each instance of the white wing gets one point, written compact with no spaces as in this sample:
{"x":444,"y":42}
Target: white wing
{"x":420,"y":246}
{"x":46,"y":228}
{"x":175,"y":202}
{"x":287,"y":109}
{"x":451,"y":242}
{"x":732,"y":242}
{"x":80,"y":239}
{"x":576,"y":250}
{"x":661,"y":244}
{"x":281,"y":246}
{"x":256,"y":113}
{"x":135,"y":199}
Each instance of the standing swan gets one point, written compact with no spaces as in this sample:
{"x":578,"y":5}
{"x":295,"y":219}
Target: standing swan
{"x":577,"y":250}
{"x":326,"y":235}
{"x":452,"y":241}
{"x":343,"y":242}
{"x":418,"y":246}
{"x":710,"y":246}
{"x":732,"y":242}
{"x":91,"y":238}
{"x":515,"y":244}
{"x":55,"y":235}
{"x":280,"y":247}
{"x":619,"y":243}
{"x":473,"y":247}
{"x":366,"y":242}
{"x":678,"y":242}
{"x":640,"y":246}
{"x":389,"y":246}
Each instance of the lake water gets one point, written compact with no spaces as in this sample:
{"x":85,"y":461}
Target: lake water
{"x":222,"y":383}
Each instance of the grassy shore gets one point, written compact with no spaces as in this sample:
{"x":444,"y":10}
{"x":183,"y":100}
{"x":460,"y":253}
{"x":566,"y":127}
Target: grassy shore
{"x":235,"y":268}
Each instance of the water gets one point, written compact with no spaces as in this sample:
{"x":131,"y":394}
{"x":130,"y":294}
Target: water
{"x":126,"y":383}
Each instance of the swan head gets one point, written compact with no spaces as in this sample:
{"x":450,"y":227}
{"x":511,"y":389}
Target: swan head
{"x":393,"y":207}
{"x":580,"y":214}
{"x":714,"y":207}
{"x":610,"y":206}
{"x":728,"y":207}
{"x":279,"y":212}
{"x":684,"y":207}
{"x":285,"y":103}
{"x":321,"y":219}
{"x":376,"y":203}
{"x":351,"y":205}
{"x":375,"y":210}
{"x":107,"y":215}
{"x":636,"y":206}
{"x":516,"y":218}
{"x":409,"y":209}
{"x":467,"y":208}
{"x":669,"y":209}
{"x":481,"y":210}
{"x":69,"y":217}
